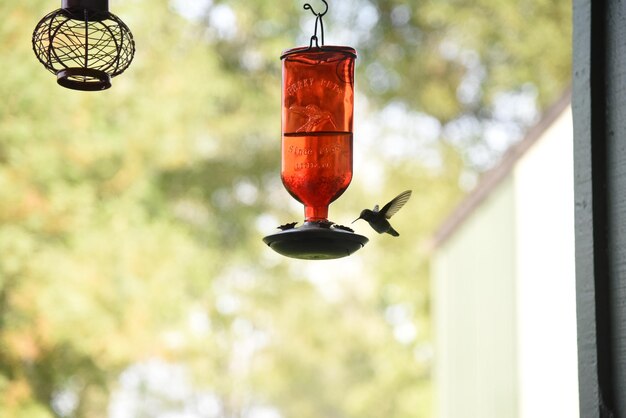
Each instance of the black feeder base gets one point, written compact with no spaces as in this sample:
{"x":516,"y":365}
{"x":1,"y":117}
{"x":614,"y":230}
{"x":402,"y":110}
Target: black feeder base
{"x":316,"y":241}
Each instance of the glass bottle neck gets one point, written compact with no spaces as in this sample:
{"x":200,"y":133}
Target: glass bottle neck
{"x":315,"y":214}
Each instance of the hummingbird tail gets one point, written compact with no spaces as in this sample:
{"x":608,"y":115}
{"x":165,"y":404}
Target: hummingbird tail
{"x":393,"y":232}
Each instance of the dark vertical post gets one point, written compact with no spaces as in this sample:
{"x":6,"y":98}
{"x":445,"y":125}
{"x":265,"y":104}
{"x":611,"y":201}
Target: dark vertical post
{"x":599,"y":106}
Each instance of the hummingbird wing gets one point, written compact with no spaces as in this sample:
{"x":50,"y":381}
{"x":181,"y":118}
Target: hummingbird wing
{"x":396,"y":203}
{"x":375,"y":209}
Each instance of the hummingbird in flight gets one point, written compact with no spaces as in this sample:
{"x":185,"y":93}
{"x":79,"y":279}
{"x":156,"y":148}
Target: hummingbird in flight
{"x":378,"y":219}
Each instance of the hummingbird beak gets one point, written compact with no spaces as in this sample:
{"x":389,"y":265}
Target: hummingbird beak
{"x":357,"y":219}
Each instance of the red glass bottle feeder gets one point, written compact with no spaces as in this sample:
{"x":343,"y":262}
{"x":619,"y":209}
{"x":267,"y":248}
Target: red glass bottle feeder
{"x":317,"y":140}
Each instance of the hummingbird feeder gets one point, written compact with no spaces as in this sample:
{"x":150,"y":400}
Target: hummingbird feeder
{"x":316,"y":149}
{"x":83,"y":44}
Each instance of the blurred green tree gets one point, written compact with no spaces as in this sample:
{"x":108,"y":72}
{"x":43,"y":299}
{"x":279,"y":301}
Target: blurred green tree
{"x":130,"y":219}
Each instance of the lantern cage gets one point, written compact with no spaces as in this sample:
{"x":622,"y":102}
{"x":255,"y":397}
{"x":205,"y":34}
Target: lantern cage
{"x":83,"y":44}
{"x":316,"y":146}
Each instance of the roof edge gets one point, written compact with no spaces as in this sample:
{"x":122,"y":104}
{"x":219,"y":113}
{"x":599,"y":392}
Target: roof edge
{"x":492,"y":178}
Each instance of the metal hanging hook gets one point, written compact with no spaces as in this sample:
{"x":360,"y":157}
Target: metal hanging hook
{"x":307,"y":6}
{"x":318,"y":18}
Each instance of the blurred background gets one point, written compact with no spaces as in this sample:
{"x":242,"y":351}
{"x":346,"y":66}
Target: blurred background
{"x":133,"y":279}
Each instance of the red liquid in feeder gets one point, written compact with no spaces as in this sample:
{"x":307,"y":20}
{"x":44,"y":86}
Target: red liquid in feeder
{"x":316,"y":169}
{"x":318,"y":102}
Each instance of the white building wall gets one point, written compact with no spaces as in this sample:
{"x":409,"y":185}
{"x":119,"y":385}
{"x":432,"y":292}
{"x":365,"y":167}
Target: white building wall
{"x":521,"y":238}
{"x":473,"y":299}
{"x":545,"y":276}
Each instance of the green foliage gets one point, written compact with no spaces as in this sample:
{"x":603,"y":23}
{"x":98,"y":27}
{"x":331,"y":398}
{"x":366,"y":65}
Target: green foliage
{"x":131,"y":219}
{"x":421,"y":53}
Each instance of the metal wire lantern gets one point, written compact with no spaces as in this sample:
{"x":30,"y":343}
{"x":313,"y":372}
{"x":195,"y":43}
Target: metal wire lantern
{"x":84,"y":44}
